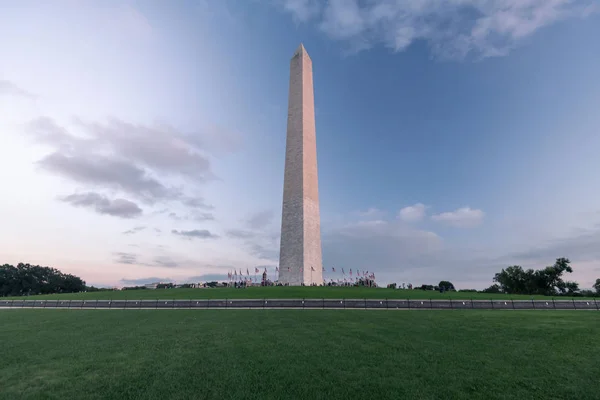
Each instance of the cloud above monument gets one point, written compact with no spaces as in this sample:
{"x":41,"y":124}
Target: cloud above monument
{"x":124,"y":157}
{"x":388,"y":247}
{"x":9,"y":88}
{"x":157,"y":260}
{"x":258,"y":235}
{"x":412,"y":213}
{"x":195,"y":234}
{"x":453,"y":29}
{"x":144,"y":281}
{"x":260,"y":220}
{"x":134,"y":230}
{"x":464,"y":217}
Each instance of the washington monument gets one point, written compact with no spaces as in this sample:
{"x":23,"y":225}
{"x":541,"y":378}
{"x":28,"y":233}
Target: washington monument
{"x":300,"y":252}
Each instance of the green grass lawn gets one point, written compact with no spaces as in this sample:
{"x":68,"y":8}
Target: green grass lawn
{"x":279,"y":292}
{"x":299,"y":354}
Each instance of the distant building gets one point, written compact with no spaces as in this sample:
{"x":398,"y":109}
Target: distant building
{"x":152,"y":285}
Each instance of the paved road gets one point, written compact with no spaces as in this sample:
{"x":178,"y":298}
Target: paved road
{"x":352,"y":304}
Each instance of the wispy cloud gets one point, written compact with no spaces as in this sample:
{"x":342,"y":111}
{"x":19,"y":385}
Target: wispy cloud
{"x":240,"y":234}
{"x":143,"y":281}
{"x":193,"y":216}
{"x":9,"y":88}
{"x":260,"y":220}
{"x":134,"y":230}
{"x":387,"y":247}
{"x":156,"y":260}
{"x":453,"y":29}
{"x":195,"y":233}
{"x":412,"y":213}
{"x":165,"y":261}
{"x":465,"y":217}
{"x":371,"y":213}
{"x":137,"y":160}
{"x":126,"y":258}
{"x":260,"y":237}
{"x":103,"y":205}
{"x":301,"y":10}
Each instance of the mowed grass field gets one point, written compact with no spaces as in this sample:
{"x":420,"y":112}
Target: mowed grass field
{"x":299,"y":354}
{"x":279,"y":292}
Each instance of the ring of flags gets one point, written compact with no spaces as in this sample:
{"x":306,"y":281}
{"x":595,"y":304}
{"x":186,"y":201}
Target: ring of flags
{"x":235,"y":276}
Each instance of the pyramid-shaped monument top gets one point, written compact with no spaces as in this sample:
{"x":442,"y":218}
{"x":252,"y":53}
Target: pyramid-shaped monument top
{"x":301,"y":51}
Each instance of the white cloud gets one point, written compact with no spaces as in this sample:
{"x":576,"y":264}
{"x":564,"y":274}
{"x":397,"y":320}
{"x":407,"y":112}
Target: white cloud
{"x":465,"y":217}
{"x":130,"y":21}
{"x":9,"y":88}
{"x":103,"y":205}
{"x":371,"y":213}
{"x":261,"y":220}
{"x":452,"y":28}
{"x":302,"y":10}
{"x":412,"y":213}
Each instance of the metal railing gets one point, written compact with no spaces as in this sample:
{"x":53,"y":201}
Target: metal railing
{"x":348,"y":304}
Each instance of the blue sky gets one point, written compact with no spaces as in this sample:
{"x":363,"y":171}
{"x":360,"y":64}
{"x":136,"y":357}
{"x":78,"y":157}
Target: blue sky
{"x":454,"y":138}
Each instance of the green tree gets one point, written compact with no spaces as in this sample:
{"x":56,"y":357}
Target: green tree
{"x":571,"y":288}
{"x":446,"y":285}
{"x":495,"y":288}
{"x":597,"y":286}
{"x":513,"y":279}
{"x":26,"y":279}
{"x":547,"y":281}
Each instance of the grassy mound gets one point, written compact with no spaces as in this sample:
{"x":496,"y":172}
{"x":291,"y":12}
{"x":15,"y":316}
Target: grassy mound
{"x":279,"y":292}
{"x":278,"y":354}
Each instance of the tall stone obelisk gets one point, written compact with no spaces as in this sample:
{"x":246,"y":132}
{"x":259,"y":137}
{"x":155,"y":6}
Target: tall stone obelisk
{"x":300,"y":259}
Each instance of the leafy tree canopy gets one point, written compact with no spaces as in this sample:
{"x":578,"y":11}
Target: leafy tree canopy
{"x":26,"y":279}
{"x":597,"y":286}
{"x":446,"y":285}
{"x":548,"y":281}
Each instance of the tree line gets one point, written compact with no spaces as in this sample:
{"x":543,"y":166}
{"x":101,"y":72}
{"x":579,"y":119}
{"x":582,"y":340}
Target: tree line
{"x":547,"y":281}
{"x":26,"y":280}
